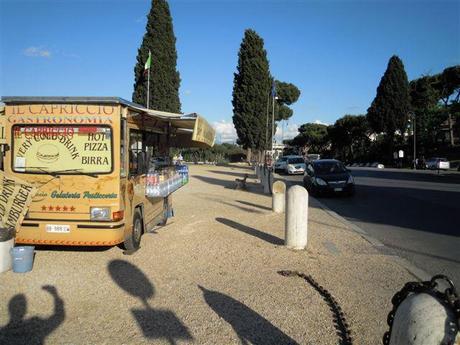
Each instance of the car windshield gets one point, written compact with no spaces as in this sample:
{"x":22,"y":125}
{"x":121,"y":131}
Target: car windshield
{"x":324,"y":168}
{"x":295,"y":160}
{"x":282,"y":159}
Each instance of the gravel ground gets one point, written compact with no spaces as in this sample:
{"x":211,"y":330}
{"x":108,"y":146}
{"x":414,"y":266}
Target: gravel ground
{"x":208,"y":277}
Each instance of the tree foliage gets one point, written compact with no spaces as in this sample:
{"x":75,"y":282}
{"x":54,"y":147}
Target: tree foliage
{"x":349,"y":137}
{"x":219,"y":153}
{"x":312,"y":138}
{"x":287,"y":94}
{"x":390,"y":109}
{"x":164,"y":78}
{"x":251,"y":87}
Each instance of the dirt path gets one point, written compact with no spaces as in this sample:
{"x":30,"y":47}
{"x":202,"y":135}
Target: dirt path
{"x":208,"y":277}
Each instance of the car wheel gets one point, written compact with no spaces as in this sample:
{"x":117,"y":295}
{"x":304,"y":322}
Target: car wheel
{"x":133,"y":241}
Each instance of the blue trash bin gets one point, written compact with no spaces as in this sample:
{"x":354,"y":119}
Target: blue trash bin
{"x":23,"y":258}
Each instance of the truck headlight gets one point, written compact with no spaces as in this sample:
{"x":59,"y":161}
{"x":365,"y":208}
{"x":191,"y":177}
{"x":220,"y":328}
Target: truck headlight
{"x":100,"y":213}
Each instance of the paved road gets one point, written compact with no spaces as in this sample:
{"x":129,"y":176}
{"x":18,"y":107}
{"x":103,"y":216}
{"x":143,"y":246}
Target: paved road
{"x":415,"y":214}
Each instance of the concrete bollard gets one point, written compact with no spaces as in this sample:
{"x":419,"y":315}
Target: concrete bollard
{"x":296,"y":218}
{"x":279,"y":196}
{"x":266,"y":181}
{"x":270,"y":181}
{"x":261,"y":174}
{"x":422,"y":320}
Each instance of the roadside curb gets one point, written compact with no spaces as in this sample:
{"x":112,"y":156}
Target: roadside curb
{"x":418,"y":273}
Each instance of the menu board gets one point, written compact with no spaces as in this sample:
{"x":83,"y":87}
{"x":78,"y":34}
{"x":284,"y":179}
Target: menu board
{"x":38,"y":149}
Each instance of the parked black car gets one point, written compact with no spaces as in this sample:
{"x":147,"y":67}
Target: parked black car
{"x":328,"y":176}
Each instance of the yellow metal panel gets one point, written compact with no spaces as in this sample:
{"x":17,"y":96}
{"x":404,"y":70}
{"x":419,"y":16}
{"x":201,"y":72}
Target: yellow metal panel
{"x":203,"y":132}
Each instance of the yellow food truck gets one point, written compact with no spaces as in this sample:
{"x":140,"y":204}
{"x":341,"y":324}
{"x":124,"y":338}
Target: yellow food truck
{"x":100,"y":166}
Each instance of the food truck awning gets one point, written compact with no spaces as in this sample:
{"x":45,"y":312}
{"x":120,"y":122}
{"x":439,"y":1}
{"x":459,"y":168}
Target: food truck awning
{"x":189,"y":130}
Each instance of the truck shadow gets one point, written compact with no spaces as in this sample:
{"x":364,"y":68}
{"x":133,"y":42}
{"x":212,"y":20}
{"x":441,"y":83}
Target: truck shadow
{"x":32,"y":331}
{"x":154,"y":323}
{"x":250,"y":327}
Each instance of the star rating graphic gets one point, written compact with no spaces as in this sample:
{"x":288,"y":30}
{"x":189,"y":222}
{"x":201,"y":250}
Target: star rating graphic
{"x":58,"y":208}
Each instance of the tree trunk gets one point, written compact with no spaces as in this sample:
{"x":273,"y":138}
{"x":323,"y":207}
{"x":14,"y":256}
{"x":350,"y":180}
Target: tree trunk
{"x":451,"y":129}
{"x":249,"y":155}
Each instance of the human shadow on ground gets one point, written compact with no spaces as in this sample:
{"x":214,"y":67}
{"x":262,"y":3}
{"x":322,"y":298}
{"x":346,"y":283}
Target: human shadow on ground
{"x":251,"y":327}
{"x":251,"y":231}
{"x":154,"y":323}
{"x":32,"y":331}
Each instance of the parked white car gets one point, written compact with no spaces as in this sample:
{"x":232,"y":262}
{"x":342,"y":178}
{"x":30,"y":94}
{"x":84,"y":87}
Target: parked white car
{"x":280,"y":164}
{"x":437,"y":163}
{"x":295,"y":165}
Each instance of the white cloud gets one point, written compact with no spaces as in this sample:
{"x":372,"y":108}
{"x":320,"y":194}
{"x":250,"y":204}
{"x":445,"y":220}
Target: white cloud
{"x":188,"y":92}
{"x":37,"y":52}
{"x":284,"y":132}
{"x":225,"y":131}
{"x":319,"y":122}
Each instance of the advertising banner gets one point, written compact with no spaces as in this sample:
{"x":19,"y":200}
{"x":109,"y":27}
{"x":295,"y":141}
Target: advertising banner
{"x":15,"y":198}
{"x":203,"y":132}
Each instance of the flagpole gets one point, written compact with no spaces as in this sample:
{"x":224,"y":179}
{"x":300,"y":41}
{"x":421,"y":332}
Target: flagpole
{"x":147,"y":68}
{"x":148,"y":89}
{"x":273,"y":121}
{"x":266,"y":122}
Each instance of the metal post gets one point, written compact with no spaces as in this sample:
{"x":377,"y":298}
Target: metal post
{"x":266,"y":122}
{"x":273,"y":121}
{"x":415,"y":153}
{"x":148,"y":88}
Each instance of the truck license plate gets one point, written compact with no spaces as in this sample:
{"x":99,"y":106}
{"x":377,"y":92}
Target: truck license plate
{"x":57,"y":228}
{"x":337,"y":189}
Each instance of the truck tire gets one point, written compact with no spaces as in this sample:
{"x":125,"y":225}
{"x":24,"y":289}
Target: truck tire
{"x":133,"y":241}
{"x":165,"y":212}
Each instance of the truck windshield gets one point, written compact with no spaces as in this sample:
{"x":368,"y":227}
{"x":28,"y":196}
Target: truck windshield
{"x":41,"y":149}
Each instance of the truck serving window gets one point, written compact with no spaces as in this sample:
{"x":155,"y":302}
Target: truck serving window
{"x":42,"y":149}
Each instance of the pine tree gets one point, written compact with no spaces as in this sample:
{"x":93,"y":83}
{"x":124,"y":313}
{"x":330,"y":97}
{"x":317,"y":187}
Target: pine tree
{"x":390,"y":109}
{"x":251,"y":90}
{"x":164,"y":78}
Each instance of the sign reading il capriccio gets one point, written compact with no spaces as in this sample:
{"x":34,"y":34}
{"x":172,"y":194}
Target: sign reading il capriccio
{"x":61,"y":114}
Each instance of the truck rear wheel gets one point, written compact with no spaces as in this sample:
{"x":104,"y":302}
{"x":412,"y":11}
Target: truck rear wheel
{"x":165,"y":212}
{"x":133,"y":241}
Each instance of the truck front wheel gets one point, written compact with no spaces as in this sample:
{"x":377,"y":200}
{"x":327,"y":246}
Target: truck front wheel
{"x":133,"y":241}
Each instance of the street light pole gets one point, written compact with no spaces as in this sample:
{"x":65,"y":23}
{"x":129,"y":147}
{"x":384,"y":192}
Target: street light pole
{"x":415,"y":140}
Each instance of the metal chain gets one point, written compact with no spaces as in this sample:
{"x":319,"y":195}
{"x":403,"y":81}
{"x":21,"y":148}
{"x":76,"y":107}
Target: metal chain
{"x":341,"y":325}
{"x":449,"y":298}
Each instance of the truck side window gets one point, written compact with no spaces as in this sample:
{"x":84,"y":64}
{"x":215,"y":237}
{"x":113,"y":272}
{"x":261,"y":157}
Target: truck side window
{"x":135,"y":152}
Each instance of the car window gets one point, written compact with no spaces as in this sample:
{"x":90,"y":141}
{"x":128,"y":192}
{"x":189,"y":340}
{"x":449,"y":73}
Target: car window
{"x":328,"y":167}
{"x":295,"y":160}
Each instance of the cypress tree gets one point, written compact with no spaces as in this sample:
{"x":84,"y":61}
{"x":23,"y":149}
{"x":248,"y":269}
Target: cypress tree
{"x":251,"y":89}
{"x":164,"y":78}
{"x":390,"y":109}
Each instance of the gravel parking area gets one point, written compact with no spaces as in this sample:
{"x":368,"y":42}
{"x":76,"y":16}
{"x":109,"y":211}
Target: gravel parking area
{"x":208,"y":277}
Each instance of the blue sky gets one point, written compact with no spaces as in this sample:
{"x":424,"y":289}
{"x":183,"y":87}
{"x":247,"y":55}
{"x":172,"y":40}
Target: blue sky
{"x":334,"y":51}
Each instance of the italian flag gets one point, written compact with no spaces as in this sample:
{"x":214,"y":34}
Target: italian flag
{"x":148,"y":63}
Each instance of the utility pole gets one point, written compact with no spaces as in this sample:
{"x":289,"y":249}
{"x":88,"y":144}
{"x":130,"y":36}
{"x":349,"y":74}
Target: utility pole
{"x":415,"y":141}
{"x":273,"y":121}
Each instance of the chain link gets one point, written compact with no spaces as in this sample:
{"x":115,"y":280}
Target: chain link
{"x":340,"y":323}
{"x":449,"y":298}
